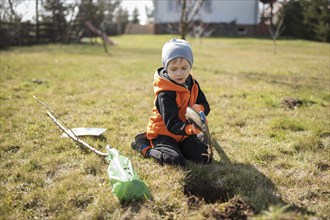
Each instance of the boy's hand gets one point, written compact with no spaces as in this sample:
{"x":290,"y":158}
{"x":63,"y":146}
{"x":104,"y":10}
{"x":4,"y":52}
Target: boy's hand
{"x":191,"y":129}
{"x":198,"y":108}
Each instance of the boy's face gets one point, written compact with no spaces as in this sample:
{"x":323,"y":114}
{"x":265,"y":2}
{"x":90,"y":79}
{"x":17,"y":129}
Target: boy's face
{"x":178,"y":69}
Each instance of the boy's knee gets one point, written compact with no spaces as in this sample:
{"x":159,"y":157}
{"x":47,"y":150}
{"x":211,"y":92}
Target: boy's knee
{"x":174,"y":159}
{"x":169,"y":158}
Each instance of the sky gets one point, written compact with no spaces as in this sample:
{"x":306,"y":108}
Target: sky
{"x":27,"y":8}
{"x":140,"y":4}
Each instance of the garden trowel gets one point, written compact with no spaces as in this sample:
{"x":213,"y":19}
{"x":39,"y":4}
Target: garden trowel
{"x":199,"y":120}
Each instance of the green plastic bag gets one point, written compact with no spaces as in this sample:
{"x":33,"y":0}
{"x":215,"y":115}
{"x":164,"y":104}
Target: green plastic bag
{"x":126,"y":184}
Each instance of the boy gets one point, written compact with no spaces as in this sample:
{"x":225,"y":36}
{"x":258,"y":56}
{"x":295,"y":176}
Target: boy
{"x":169,"y":137}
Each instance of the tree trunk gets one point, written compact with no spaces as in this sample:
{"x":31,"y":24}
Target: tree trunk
{"x":37,"y":21}
{"x":271,"y":16}
{"x":183,"y":22}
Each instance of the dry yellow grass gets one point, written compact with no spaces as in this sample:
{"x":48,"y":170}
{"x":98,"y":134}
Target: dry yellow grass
{"x":270,"y":160}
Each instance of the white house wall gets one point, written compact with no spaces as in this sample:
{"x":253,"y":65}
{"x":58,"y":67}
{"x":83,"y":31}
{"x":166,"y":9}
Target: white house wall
{"x":244,"y":12}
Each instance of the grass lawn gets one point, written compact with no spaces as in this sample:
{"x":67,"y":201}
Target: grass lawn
{"x":269,"y":120}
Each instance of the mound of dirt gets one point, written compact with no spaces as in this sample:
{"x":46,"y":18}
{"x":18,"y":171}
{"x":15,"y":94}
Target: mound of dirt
{"x":291,"y":103}
{"x":235,"y":208}
{"x":199,"y":190}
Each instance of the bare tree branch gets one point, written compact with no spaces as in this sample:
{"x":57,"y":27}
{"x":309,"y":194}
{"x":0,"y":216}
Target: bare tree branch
{"x":188,"y":15}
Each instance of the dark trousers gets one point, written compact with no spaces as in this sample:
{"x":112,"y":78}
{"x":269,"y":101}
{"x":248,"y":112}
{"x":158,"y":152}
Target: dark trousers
{"x":167,"y":150}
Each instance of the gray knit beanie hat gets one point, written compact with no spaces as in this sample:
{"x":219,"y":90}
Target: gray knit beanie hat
{"x":175,"y":48}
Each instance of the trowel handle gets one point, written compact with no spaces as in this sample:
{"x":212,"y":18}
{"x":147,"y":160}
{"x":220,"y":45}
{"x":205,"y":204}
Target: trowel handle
{"x":203,"y":117}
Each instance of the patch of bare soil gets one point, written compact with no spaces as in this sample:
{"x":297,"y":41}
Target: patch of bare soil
{"x":291,"y":103}
{"x":197,"y":190}
{"x":323,"y":166}
{"x":235,"y":208}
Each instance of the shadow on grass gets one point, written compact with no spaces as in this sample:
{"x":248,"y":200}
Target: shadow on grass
{"x":226,"y":182}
